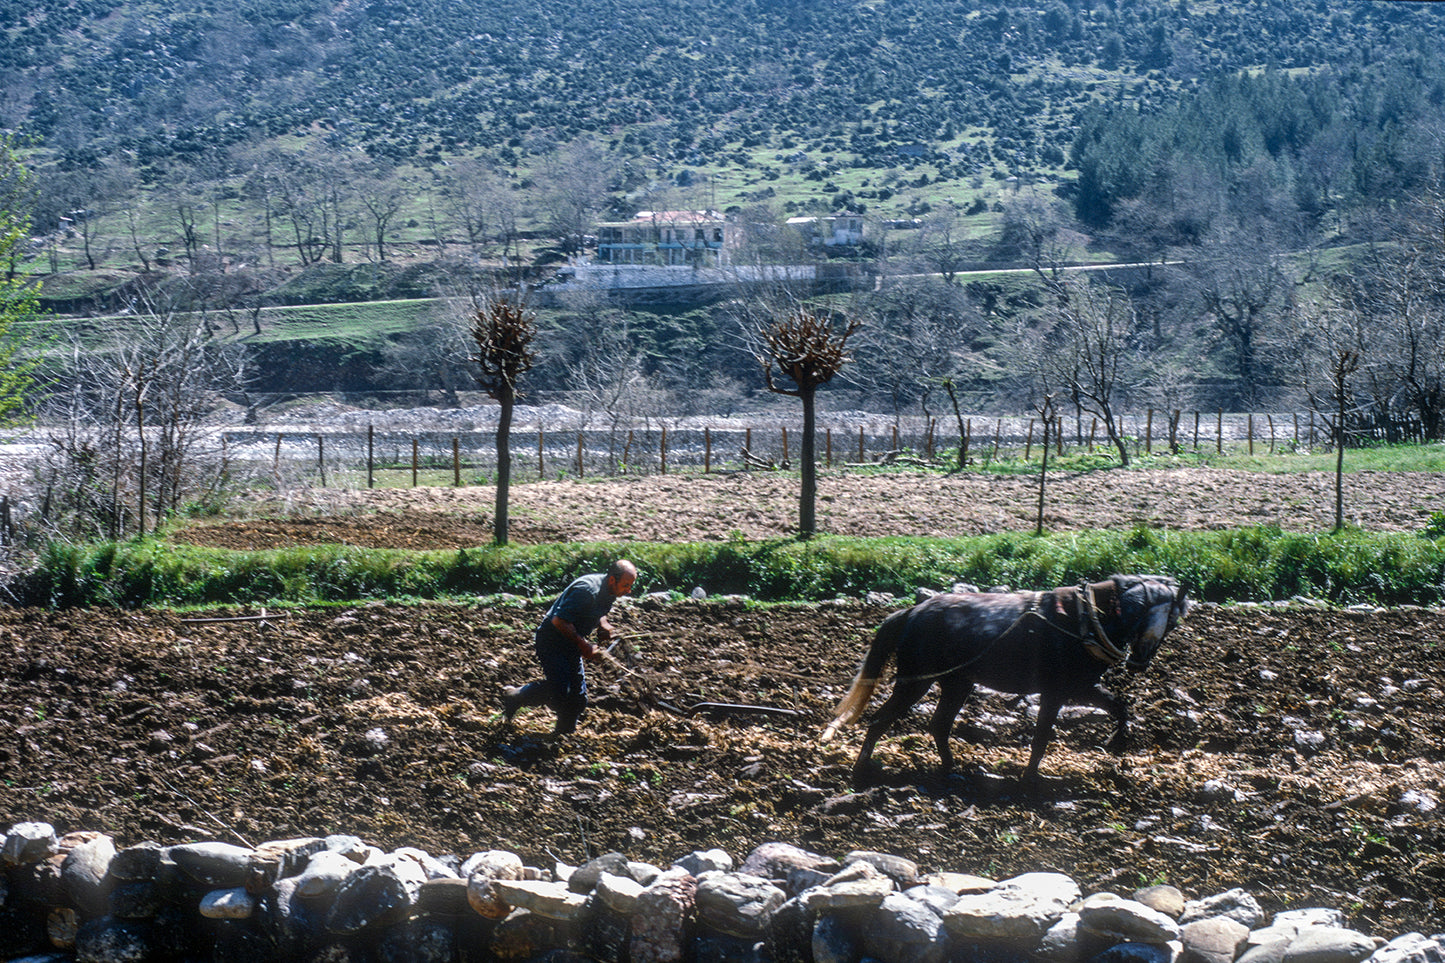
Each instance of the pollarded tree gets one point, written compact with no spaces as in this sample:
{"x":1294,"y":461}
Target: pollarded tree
{"x":808,"y":349}
{"x":503,"y":329}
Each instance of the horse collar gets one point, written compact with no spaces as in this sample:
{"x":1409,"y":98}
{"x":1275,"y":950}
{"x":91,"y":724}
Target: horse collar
{"x":1095,"y":640}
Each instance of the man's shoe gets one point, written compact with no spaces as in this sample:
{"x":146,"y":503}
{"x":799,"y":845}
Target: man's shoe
{"x":511,"y":702}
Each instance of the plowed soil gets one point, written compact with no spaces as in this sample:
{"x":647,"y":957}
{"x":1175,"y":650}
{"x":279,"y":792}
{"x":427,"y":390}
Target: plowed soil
{"x":1296,"y":752}
{"x":758,"y":505}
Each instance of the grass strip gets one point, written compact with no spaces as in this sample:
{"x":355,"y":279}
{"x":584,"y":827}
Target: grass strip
{"x":1250,"y":564}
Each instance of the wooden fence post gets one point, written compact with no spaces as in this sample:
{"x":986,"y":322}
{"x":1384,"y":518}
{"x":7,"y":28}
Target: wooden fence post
{"x":1149,"y":433}
{"x":664,"y":449}
{"x":895,"y":437}
{"x":1249,"y":428}
{"x":706,"y":450}
{"x":370,"y":456}
{"x":415,"y":462}
{"x":1059,"y":433}
{"x":784,"y":462}
{"x":828,"y":441}
{"x":1196,"y":431}
{"x":1270,"y":417}
{"x":456,"y":462}
{"x":579,"y":454}
{"x":1219,"y":432}
{"x":963,"y":443}
{"x":541,"y":467}
{"x":860,"y":444}
{"x":276,"y":462}
{"x":321,"y":457}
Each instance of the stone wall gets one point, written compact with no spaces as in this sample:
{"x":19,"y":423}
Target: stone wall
{"x":339,"y":900}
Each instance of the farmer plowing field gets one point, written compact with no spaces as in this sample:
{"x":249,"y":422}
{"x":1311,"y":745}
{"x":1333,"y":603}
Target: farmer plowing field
{"x":562,"y":645}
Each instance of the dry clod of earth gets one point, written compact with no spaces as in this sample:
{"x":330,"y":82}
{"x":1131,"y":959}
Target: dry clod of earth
{"x":1296,"y":752}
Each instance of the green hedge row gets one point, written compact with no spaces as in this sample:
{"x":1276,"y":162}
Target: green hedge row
{"x":1242,"y":564}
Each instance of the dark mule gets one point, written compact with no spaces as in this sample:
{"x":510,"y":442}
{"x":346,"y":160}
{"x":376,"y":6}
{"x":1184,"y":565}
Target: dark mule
{"x":1058,"y":644}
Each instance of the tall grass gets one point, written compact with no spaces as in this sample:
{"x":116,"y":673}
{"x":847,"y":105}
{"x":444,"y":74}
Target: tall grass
{"x":1257,"y":564}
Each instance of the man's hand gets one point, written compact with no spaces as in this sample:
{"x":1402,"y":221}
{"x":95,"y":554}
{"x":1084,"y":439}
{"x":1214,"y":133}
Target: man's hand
{"x":591,"y":652}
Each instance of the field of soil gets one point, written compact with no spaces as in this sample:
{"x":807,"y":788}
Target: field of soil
{"x":1296,"y":752}
{"x":758,"y":505}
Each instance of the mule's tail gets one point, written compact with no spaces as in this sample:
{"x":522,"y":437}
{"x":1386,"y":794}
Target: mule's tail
{"x":885,"y":642}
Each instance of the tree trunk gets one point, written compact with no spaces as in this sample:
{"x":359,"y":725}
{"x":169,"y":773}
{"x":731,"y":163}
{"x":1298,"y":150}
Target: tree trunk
{"x":507,"y":399}
{"x":1116,"y":435}
{"x":1048,"y":417}
{"x":807,"y":519}
{"x":958,"y":417}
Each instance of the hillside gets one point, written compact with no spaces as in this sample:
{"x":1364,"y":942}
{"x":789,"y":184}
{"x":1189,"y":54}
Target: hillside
{"x":722,"y":103}
{"x":1256,"y":160}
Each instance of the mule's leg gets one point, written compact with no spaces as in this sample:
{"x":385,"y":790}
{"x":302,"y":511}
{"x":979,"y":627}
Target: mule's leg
{"x":950,"y":700}
{"x":1049,"y":705}
{"x":1116,"y":707}
{"x":905,"y":694}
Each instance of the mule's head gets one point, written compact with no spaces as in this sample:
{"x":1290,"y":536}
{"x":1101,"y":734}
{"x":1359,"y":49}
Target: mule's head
{"x":1153,"y":606}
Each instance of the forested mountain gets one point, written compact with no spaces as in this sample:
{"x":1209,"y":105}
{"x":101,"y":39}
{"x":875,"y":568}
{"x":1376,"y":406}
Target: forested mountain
{"x":977,"y":87}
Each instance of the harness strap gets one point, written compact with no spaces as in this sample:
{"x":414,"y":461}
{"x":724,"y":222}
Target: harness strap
{"x":1091,"y":633}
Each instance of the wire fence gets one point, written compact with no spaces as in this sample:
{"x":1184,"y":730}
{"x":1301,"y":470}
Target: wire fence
{"x":390,"y":457}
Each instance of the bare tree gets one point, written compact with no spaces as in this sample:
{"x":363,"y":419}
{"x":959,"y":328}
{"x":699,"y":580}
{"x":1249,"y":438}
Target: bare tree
{"x":82,"y":200}
{"x":127,"y":438}
{"x":1397,"y":302}
{"x":503,"y":329}
{"x":915,"y":338}
{"x":1034,"y":230}
{"x":1046,"y":418}
{"x":941,"y":243}
{"x":432,"y":356}
{"x":479,"y":204}
{"x":1244,"y":287}
{"x":1088,"y":350}
{"x":1346,"y":364}
{"x":382,"y":198}
{"x":610,"y":376}
{"x":808,"y":349}
{"x":574,"y":181}
{"x":299,"y":196}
